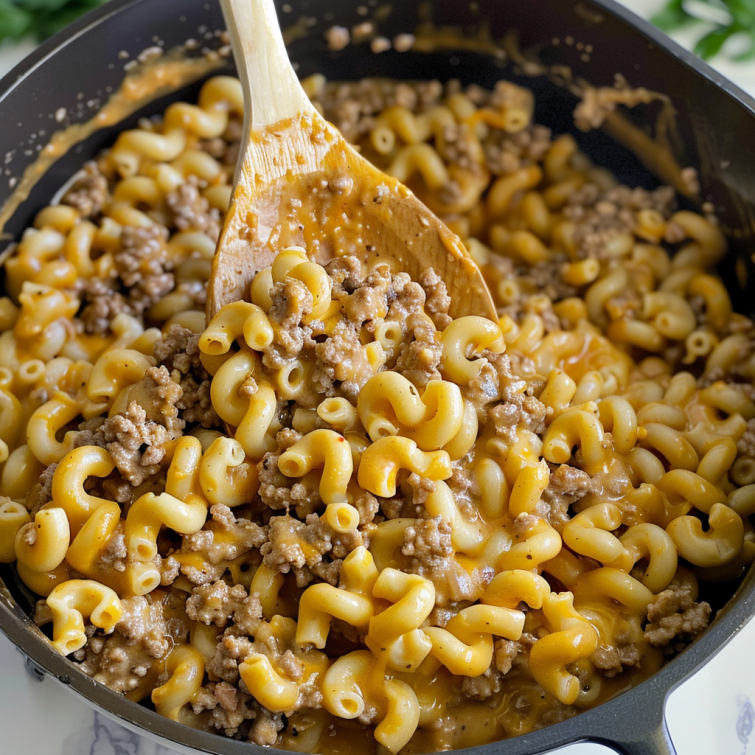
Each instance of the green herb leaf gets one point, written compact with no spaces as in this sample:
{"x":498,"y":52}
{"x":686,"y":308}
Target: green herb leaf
{"x":673,"y":16}
{"x":713,"y":41}
{"x":743,"y":12}
{"x":678,"y":14}
{"x":40,"y":18}
{"x":14,"y":22}
{"x":43,"y":5}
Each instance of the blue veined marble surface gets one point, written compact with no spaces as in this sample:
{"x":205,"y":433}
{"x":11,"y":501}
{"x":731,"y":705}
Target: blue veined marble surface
{"x":105,"y":737}
{"x":745,"y":720}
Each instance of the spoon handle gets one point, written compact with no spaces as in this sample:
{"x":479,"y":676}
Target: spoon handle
{"x":271,"y":88}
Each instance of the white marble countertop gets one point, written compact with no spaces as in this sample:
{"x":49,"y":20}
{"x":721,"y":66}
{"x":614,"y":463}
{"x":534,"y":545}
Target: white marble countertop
{"x":710,"y":714}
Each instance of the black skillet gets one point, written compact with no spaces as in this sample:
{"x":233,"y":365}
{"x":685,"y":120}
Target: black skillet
{"x":598,"y":39}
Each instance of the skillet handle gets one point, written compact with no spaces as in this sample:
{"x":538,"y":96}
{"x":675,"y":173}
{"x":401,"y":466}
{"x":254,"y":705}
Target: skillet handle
{"x":654,"y":741}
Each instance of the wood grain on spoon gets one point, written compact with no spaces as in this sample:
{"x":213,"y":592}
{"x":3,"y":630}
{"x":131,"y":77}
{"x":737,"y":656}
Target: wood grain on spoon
{"x":299,"y":183}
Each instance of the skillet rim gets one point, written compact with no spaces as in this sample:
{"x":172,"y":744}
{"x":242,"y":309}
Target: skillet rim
{"x":632,"y":718}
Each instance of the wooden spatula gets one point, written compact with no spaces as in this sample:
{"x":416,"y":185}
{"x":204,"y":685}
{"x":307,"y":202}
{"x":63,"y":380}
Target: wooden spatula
{"x":299,"y":183}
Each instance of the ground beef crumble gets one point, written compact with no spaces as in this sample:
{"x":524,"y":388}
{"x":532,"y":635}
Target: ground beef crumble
{"x":102,"y":305}
{"x":178,"y":351}
{"x":265,"y":728}
{"x":292,"y":301}
{"x":280,"y":492}
{"x":41,"y":493}
{"x":191,"y":211}
{"x":602,"y":215}
{"x":428,"y":538}
{"x":341,"y":362}
{"x":237,"y":536}
{"x":300,"y":546}
{"x":230,"y":707}
{"x":136,"y":439}
{"x":507,"y":654}
{"x":144,"y":270}
{"x":521,"y":412}
{"x":419,"y":358}
{"x":566,"y":485}
{"x":88,"y":192}
{"x":220,"y":604}
{"x":674,"y":619}
{"x":143,"y":265}
{"x":438,"y":301}
{"x":610,"y":660}
{"x":746,"y":444}
{"x":428,"y":543}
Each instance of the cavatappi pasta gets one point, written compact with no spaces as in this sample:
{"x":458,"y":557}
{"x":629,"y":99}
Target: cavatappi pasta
{"x":333,"y":517}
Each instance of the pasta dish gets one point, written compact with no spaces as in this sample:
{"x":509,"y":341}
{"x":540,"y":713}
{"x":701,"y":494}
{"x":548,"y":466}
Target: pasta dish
{"x":334,"y":517}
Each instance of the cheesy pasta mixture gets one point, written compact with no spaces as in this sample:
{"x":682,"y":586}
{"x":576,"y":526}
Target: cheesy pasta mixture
{"x":334,"y":517}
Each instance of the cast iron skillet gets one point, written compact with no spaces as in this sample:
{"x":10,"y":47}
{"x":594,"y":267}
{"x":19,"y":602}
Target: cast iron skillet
{"x":715,"y":120}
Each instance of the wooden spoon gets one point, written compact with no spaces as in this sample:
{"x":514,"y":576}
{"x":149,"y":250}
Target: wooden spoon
{"x":299,"y":183}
